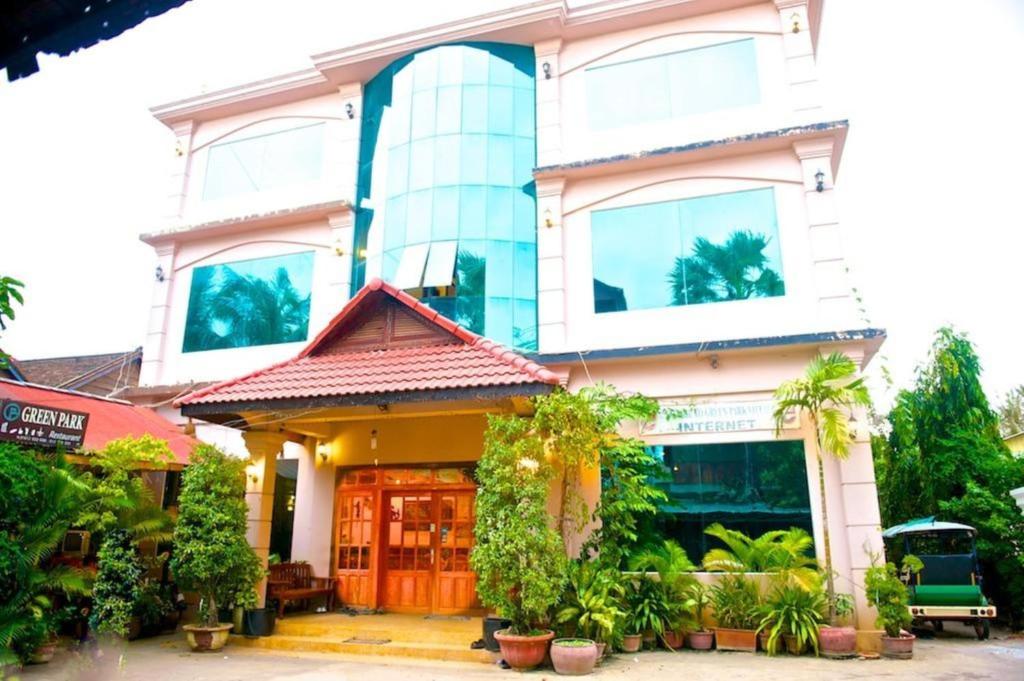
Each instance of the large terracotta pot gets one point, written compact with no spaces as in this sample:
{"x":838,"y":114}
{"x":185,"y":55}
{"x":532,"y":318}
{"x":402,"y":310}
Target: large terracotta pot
{"x":744,"y":640}
{"x":523,"y":652}
{"x":601,"y":649}
{"x":631,"y":643}
{"x":42,"y":654}
{"x":793,"y":645}
{"x":674,"y":638}
{"x":838,"y":642}
{"x":206,"y":638}
{"x":573,"y":656}
{"x":701,"y":640}
{"x":898,"y":647}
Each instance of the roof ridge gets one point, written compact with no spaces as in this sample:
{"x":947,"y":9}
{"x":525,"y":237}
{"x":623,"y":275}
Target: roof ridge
{"x":66,"y":391}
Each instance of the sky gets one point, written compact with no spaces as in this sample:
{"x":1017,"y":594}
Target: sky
{"x":929,"y":186}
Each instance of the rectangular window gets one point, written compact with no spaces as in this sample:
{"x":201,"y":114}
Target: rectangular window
{"x":249,"y":302}
{"x":707,"y":249}
{"x":675,"y":85}
{"x":264,"y":163}
{"x":172,"y":488}
{"x":752,"y":487}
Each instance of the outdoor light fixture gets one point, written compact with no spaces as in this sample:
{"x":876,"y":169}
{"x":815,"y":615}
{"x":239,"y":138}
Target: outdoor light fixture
{"x":796,"y":22}
{"x":350,"y":110}
{"x":548,"y":222}
{"x":714,"y":361}
{"x":373,"y":439}
{"x":546,"y":68}
{"x":178,"y":149}
{"x":323,"y":452}
{"x":159,"y":273}
{"x":819,"y":178}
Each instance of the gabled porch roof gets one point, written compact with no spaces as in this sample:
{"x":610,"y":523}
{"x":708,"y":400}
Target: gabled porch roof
{"x":383,"y":347}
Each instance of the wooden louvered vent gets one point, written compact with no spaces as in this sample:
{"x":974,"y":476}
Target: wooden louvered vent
{"x":383,"y":326}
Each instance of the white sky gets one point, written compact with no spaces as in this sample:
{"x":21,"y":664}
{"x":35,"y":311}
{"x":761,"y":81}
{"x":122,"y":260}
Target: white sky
{"x":930,"y":185}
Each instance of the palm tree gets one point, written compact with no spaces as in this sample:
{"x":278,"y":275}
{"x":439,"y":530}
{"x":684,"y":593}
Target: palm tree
{"x":470,"y":284}
{"x":784,"y":553}
{"x":735,"y":270}
{"x":827,"y":393}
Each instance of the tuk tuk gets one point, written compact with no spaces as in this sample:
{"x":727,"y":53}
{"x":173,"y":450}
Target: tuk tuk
{"x":948,"y":587}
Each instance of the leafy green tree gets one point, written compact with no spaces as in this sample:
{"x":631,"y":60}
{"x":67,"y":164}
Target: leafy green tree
{"x":826,"y":394}
{"x":117,"y":589}
{"x":1011,"y":413}
{"x":39,"y":501}
{"x":735,"y":270}
{"x":10,"y":293}
{"x":945,"y":457}
{"x":211,"y":554}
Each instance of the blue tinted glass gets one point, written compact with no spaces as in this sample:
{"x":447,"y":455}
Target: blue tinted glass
{"x":702,"y":250}
{"x":474,"y":108}
{"x":421,"y":164}
{"x":398,"y":170}
{"x":499,"y":319}
{"x":395,"y":221}
{"x":450,"y":65}
{"x":500,"y":161}
{"x":524,"y":113}
{"x":474,"y":159}
{"x":264,"y":163}
{"x":501,"y":111}
{"x":424,"y":107}
{"x":500,"y":268}
{"x":501,"y":72}
{"x":227,"y":302}
{"x":449,"y":110}
{"x":524,"y":330}
{"x":447,"y":160}
{"x":419,"y":217}
{"x":525,"y":155}
{"x":499,"y":213}
{"x":475,"y":66}
{"x":525,"y":276}
{"x":673,"y":85}
{"x":425,"y":66}
{"x":473,"y":212}
{"x":446,"y":214}
{"x":526,"y":217}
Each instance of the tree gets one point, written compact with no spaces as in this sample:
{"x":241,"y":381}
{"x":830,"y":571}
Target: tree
{"x":1011,"y":413}
{"x":10,"y":293}
{"x":945,"y":457}
{"x":826,"y":394}
{"x":117,"y":588}
{"x":735,"y":270}
{"x":211,"y":554}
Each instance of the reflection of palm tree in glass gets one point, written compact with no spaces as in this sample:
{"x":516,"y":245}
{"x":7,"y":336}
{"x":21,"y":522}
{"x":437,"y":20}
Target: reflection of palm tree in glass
{"x":735,"y":270}
{"x":470,"y":278}
{"x":247,"y":310}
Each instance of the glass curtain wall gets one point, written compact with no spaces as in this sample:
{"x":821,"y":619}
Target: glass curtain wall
{"x":446,"y":204}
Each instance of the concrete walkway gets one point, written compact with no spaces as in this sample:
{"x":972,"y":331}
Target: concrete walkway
{"x":167,"y":658}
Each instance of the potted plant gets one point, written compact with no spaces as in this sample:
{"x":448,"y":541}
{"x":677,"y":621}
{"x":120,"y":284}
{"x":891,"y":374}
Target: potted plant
{"x":591,"y":605}
{"x":700,"y":638}
{"x":115,"y":593}
{"x":573,"y":656}
{"x":519,"y":558}
{"x":887,"y":593}
{"x":674,"y":570}
{"x":794,"y":615}
{"x":735,"y":600}
{"x":210,"y":549}
{"x":647,"y":611}
{"x":839,"y":641}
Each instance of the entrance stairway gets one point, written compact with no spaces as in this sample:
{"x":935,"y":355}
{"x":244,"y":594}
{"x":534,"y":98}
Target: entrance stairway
{"x":394,"y":635}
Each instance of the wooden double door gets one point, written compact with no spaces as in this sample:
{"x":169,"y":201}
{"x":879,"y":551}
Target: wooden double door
{"x":407,"y":549}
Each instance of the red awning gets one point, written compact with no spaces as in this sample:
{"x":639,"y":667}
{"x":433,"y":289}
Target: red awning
{"x":108,"y":419}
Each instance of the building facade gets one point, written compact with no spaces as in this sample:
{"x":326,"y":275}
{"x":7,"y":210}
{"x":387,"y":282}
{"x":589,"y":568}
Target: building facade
{"x":639,"y":192}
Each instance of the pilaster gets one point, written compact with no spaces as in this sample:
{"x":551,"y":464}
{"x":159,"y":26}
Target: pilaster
{"x":314,"y":510}
{"x":151,"y":372}
{"x":180,"y":170}
{"x":549,"y":112}
{"x":801,"y":68}
{"x":551,"y":300}
{"x":259,"y":494}
{"x":339,"y":260}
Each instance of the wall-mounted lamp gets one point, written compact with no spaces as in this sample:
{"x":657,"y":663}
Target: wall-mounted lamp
{"x":178,"y":149}
{"x":714,"y":361}
{"x":339,"y":248}
{"x":373,"y":439}
{"x":796,"y":22}
{"x":546,"y":68}
{"x":323,"y":451}
{"x":350,"y":110}
{"x":253,"y":474}
{"x":819,"y":179}
{"x":159,"y":273}
{"x":548,"y":218}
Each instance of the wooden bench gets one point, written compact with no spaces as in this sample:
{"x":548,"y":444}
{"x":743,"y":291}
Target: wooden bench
{"x":295,"y":582}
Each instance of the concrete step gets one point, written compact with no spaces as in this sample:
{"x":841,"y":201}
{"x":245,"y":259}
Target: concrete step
{"x":450,"y":652}
{"x":424,"y":634}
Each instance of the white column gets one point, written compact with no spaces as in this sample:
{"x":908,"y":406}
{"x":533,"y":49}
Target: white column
{"x":347,"y":137}
{"x":837,"y":307}
{"x":182,"y":164}
{"x":314,"y":511}
{"x":551,"y":304}
{"x":259,"y":494}
{"x":154,"y":346}
{"x":805,"y":91}
{"x":549,"y":114}
{"x":339,"y":260}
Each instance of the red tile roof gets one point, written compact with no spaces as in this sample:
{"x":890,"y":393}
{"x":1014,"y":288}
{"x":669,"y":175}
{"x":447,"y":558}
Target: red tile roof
{"x":465,"y":361}
{"x":108,"y":419}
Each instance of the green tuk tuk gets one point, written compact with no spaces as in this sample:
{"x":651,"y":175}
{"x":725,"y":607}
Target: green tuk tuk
{"x":948,"y":587}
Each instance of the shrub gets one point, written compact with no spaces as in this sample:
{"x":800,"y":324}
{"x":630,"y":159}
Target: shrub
{"x":735,"y":600}
{"x":211,"y":554}
{"x":887,"y":593}
{"x":116,"y":591}
{"x":794,"y":611}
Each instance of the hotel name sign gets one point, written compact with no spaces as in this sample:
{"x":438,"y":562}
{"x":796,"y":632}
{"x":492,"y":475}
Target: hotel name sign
{"x":37,"y":425}
{"x":700,"y":416}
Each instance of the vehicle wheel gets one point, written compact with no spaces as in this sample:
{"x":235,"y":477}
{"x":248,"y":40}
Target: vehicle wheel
{"x":981,"y":628}
{"x":937,"y":625}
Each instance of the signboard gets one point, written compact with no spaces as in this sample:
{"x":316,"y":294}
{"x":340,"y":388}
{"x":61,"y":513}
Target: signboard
{"x":37,"y":425}
{"x":709,"y":416}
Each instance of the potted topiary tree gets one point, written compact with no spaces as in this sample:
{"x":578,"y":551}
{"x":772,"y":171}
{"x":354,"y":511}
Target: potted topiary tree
{"x":211,"y":553}
{"x":519,"y":558}
{"x":887,"y":593}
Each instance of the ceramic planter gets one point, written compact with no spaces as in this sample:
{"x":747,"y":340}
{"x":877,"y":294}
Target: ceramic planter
{"x":631,"y":643}
{"x":570,"y":658}
{"x":650,"y":639}
{"x":201,"y":639}
{"x":838,"y":642}
{"x":601,"y":649}
{"x":743,"y":640}
{"x":674,"y":639}
{"x":898,"y":647}
{"x":43,"y":653}
{"x":701,"y":640}
{"x":523,"y":652}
